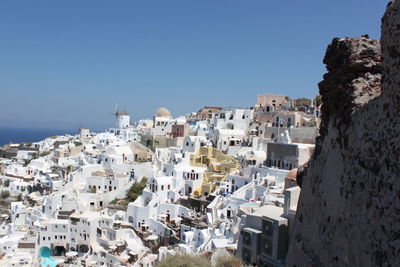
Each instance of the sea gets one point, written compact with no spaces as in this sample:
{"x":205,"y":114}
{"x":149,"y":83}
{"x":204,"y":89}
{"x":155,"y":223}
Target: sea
{"x":18,"y":135}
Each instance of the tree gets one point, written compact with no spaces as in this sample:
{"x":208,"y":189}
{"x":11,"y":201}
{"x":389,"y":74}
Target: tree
{"x":5,"y":194}
{"x":136,"y":190}
{"x":19,"y":197}
{"x":7,"y":183}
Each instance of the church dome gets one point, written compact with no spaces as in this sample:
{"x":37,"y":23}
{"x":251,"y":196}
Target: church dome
{"x":163,"y":112}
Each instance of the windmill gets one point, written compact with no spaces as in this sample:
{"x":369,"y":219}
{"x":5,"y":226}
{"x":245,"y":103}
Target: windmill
{"x":122,"y":117}
{"x":116,"y":113}
{"x":83,"y":132}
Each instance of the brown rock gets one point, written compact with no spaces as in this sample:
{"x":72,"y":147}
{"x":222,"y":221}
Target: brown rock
{"x":349,"y":208}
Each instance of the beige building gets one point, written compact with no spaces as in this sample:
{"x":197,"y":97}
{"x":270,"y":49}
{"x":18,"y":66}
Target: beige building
{"x":67,"y":150}
{"x":269,"y":103}
{"x":207,"y":112}
{"x":218,"y":165}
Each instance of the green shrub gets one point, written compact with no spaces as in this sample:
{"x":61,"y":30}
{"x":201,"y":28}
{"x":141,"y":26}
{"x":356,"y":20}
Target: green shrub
{"x":136,"y":190}
{"x":44,"y":153}
{"x":114,"y":202}
{"x":5,"y":194}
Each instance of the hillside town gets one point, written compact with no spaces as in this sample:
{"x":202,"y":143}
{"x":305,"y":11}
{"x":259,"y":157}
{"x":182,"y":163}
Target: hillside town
{"x":219,"y":181}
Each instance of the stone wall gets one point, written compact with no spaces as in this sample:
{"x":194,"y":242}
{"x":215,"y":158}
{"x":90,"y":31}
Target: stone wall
{"x":349,"y":208}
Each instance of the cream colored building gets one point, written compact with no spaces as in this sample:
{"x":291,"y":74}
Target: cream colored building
{"x":218,"y":165}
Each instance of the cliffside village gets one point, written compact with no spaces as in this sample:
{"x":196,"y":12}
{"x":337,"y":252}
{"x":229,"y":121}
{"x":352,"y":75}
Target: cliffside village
{"x":217,"y":180}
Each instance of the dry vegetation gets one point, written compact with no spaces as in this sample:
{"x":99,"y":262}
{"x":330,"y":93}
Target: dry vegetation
{"x":186,"y":260}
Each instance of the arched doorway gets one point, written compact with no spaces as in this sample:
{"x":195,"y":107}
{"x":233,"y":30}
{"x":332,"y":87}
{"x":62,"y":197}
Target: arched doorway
{"x":59,"y":251}
{"x":83,"y":248}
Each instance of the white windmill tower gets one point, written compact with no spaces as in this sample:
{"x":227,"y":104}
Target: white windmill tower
{"x":123,"y":120}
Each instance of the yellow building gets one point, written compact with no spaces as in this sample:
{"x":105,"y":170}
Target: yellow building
{"x":218,"y":165}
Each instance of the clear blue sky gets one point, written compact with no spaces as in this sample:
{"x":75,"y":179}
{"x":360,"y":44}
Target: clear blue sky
{"x":64,"y":64}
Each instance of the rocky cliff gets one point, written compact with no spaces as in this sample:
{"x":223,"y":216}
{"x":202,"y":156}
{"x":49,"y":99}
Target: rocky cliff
{"x":349,"y":208}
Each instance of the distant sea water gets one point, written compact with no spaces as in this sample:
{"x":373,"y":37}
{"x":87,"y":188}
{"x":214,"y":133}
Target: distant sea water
{"x":18,"y":135}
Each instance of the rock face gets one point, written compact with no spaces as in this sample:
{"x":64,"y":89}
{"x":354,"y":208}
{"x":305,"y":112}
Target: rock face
{"x":349,"y":208}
